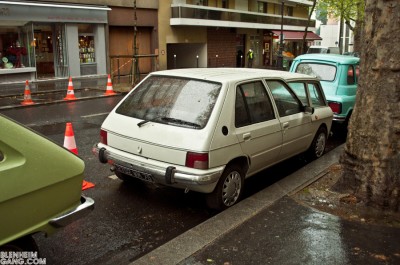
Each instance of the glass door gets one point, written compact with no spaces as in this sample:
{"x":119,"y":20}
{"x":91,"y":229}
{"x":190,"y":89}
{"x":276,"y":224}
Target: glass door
{"x":43,"y":37}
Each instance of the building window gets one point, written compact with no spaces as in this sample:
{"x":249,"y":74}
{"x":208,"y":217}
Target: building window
{"x":86,"y":44}
{"x":225,"y":3}
{"x":262,"y":7}
{"x":15,"y":47}
{"x":287,"y":10}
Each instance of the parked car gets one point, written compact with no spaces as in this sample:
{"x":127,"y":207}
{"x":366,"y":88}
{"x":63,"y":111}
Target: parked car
{"x":206,"y":130}
{"x":338,"y":75}
{"x":40,"y":186}
{"x":323,"y":49}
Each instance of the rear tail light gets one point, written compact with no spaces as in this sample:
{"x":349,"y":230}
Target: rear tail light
{"x":103,"y":137}
{"x":336,"y":107}
{"x":197,"y":160}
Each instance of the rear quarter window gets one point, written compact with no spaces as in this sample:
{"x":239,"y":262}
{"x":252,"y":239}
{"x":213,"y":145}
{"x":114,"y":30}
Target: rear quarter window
{"x":323,"y":72}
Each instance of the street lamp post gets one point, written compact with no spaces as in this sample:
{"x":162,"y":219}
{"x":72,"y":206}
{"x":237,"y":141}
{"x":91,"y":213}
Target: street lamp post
{"x":280,"y":51}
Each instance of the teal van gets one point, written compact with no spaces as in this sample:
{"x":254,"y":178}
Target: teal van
{"x":338,"y":75}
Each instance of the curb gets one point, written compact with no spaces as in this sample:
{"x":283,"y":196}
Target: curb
{"x":185,"y":245}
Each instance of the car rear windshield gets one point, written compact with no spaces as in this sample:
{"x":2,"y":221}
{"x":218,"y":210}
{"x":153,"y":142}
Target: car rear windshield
{"x":172,"y":100}
{"x":324,"y":72}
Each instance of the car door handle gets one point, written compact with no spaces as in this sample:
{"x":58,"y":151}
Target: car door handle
{"x":285,"y":125}
{"x":247,"y":136}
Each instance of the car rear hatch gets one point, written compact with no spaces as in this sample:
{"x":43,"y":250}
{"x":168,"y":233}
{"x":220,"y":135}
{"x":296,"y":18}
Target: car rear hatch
{"x":164,"y":118}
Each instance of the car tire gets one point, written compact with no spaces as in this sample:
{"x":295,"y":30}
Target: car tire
{"x":317,"y":148}
{"x":26,"y":243}
{"x":229,"y":189}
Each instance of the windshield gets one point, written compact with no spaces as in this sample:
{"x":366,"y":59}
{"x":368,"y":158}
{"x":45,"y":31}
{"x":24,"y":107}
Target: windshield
{"x":324,"y":72}
{"x":172,"y":100}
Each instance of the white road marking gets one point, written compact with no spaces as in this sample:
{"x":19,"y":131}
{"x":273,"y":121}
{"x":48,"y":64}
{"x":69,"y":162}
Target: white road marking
{"x":94,"y":115}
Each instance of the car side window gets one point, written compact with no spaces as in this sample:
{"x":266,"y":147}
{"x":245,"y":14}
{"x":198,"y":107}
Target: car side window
{"x":285,"y":100}
{"x":252,"y":105}
{"x":300,"y":89}
{"x":316,"y":96}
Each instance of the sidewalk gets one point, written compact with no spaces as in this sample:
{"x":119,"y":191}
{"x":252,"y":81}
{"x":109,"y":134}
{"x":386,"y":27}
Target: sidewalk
{"x":53,"y":91}
{"x":271,"y":228}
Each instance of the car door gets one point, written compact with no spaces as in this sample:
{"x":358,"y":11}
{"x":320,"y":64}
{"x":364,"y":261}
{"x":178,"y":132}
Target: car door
{"x":295,"y":123}
{"x":257,"y":127}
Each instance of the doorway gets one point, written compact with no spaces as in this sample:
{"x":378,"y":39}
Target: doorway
{"x":43,"y":42}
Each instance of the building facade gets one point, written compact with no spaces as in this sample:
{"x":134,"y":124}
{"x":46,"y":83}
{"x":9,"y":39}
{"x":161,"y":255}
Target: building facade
{"x":219,"y":33}
{"x":57,"y":39}
{"x":41,"y":40}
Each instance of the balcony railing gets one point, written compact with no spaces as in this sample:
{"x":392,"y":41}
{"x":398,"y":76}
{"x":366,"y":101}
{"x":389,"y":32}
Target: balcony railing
{"x":228,"y":15}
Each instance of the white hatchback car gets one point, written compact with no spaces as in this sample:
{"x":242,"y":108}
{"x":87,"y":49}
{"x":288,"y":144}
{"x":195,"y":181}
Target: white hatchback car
{"x":207,"y":130}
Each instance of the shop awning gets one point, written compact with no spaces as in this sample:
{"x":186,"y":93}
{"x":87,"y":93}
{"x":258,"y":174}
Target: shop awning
{"x":296,"y":35}
{"x":52,"y":12}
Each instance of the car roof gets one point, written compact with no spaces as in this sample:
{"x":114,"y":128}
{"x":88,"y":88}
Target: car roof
{"x":232,"y":74}
{"x":337,"y":58}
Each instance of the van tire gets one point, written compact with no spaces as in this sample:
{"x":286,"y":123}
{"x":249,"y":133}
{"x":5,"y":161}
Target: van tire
{"x":229,"y":189}
{"x":318,"y":145}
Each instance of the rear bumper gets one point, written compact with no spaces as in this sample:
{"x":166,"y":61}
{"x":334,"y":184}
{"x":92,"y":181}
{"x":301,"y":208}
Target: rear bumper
{"x":339,"y":119}
{"x":86,"y":206}
{"x":198,"y":180}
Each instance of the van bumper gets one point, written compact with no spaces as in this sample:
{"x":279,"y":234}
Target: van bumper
{"x":203,"y":181}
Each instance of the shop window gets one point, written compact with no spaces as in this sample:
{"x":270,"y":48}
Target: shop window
{"x":14,"y":48}
{"x":86,"y":43}
{"x":86,"y":49}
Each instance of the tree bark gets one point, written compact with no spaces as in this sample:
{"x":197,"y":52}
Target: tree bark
{"x":371,"y":159}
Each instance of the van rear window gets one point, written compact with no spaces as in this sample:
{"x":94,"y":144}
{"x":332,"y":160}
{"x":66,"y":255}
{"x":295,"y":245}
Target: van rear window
{"x":324,"y":72}
{"x":172,"y":100}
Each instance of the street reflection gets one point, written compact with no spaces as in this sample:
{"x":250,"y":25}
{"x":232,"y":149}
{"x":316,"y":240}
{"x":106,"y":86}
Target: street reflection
{"x":322,"y":240}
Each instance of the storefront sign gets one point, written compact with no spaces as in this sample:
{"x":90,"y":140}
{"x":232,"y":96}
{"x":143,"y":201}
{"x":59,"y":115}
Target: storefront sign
{"x":53,"y":13}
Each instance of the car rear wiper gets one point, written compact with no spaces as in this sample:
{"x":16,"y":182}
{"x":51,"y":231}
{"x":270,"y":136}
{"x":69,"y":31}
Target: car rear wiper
{"x":140,"y":124}
{"x":179,"y":121}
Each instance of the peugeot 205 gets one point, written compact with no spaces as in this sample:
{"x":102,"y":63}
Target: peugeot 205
{"x":207,"y":130}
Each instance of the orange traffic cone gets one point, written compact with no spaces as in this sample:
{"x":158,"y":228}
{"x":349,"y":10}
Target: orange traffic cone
{"x":70,"y":144}
{"x":27,"y":95}
{"x":87,"y":185}
{"x":109,"y":90}
{"x":69,"y":139}
{"x":70,"y":92}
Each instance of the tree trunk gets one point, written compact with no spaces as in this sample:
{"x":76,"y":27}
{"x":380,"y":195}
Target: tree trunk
{"x":358,"y":29}
{"x":371,"y":159}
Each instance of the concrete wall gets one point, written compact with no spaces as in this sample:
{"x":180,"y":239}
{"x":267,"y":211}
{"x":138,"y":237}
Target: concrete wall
{"x":100,"y":46}
{"x":71,"y":33}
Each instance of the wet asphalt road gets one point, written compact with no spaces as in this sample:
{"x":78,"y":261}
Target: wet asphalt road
{"x":128,"y":220}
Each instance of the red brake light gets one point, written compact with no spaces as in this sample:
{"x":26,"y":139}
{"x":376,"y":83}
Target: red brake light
{"x":103,"y":137}
{"x":336,"y":107}
{"x":197,"y":160}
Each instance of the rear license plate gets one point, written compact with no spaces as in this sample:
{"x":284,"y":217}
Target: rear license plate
{"x":134,"y":173}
